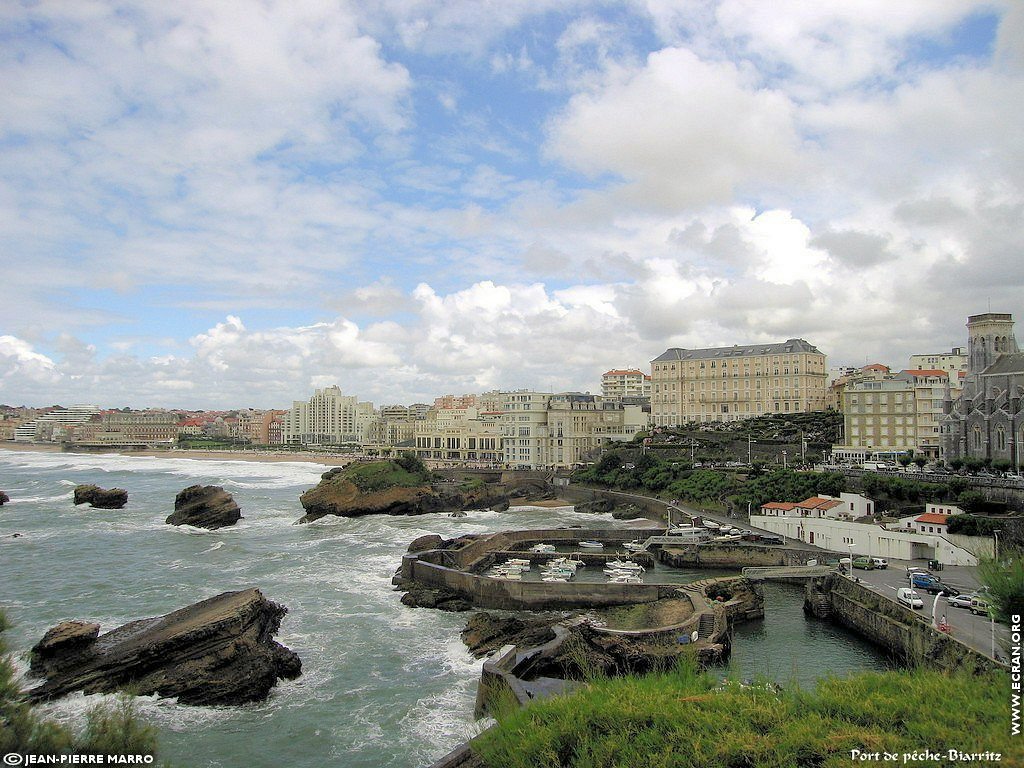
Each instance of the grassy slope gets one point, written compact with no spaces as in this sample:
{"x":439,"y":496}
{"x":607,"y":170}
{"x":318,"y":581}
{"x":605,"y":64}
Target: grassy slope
{"x":678,"y":720}
{"x":380,"y":475}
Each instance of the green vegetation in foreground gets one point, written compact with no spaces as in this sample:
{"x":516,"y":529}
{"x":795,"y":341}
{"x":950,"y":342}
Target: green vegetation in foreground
{"x":112,"y":728}
{"x":679,"y":720}
{"x":407,"y":471}
{"x":1005,"y":582}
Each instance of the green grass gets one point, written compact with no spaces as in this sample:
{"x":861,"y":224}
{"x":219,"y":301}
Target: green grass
{"x":380,"y":475}
{"x":112,"y":728}
{"x":679,"y":720}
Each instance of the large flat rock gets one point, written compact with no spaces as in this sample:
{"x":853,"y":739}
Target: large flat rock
{"x":217,"y":651}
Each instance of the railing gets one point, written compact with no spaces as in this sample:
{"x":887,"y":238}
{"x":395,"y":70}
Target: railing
{"x":786,"y":572}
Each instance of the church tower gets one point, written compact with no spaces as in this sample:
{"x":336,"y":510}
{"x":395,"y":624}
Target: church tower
{"x":989,"y":336}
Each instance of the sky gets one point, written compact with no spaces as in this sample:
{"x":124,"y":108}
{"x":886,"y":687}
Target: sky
{"x":230,"y":204}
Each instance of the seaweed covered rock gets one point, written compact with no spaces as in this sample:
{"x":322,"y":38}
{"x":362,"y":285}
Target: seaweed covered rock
{"x":4,"y":498}
{"x":205,"y":506}
{"x":101,"y":498}
{"x":218,"y":651}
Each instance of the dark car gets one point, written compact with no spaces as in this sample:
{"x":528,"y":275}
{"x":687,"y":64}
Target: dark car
{"x":772,"y":539}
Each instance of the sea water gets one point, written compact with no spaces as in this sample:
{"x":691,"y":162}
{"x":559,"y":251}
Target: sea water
{"x":382,"y":684}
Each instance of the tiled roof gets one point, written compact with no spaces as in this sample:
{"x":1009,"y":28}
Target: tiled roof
{"x":932,"y":517}
{"x":790,"y":346}
{"x":630,"y":372}
{"x":875,"y":367}
{"x":817,"y":502}
{"x":924,"y":372}
{"x":787,"y":505}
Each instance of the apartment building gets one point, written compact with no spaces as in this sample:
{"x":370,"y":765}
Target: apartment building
{"x":887,"y":416}
{"x":954,"y":363}
{"x":733,"y":383}
{"x":542,"y":430}
{"x":327,"y":418}
{"x":56,"y":425}
{"x":625,"y":383}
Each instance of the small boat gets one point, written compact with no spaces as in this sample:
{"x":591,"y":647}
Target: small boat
{"x":626,"y":578}
{"x":542,"y":548}
{"x":592,"y":544}
{"x":711,"y":525}
{"x":627,"y":564}
{"x":518,"y":561}
{"x":634,"y":546}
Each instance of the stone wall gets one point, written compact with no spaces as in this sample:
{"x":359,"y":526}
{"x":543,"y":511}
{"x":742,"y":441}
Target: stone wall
{"x":728,"y":555}
{"x":653,"y":509}
{"x":895,"y":627}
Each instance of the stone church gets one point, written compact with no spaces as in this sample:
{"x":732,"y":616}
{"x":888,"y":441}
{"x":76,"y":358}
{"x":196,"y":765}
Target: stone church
{"x":987,"y":420}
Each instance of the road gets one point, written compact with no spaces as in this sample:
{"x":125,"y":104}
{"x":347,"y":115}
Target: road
{"x":975,"y":631}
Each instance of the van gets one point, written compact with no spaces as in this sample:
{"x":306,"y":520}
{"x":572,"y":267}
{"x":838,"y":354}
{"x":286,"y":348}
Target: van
{"x":909,"y":598}
{"x":980,"y":605}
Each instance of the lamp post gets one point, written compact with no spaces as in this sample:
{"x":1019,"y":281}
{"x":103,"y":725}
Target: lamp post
{"x":803,"y":448}
{"x":995,"y":549}
{"x":750,"y":463}
{"x":784,"y":464}
{"x":851,"y":560}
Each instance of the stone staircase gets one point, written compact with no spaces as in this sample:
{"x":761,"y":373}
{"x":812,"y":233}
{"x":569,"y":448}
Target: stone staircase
{"x":818,"y":604}
{"x":706,"y":627}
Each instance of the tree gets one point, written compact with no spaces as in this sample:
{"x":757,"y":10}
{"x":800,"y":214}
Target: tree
{"x":970,"y":500}
{"x":920,"y":461}
{"x":956,"y":464}
{"x":1005,"y":581}
{"x":904,"y":460}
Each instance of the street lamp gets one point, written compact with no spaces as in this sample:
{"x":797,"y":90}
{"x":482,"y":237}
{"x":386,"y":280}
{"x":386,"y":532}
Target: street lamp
{"x":803,"y":448}
{"x":749,"y":441}
{"x":995,"y":550}
{"x":851,"y":560}
{"x":784,"y":464}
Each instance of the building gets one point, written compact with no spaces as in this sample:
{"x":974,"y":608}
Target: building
{"x":543,"y":430}
{"x":838,"y":384}
{"x":459,"y":435}
{"x":892,"y":414}
{"x":327,"y":418}
{"x":954,"y":363}
{"x":628,"y":382}
{"x":56,"y":425}
{"x":129,"y":428}
{"x":847,"y":506}
{"x":732,"y":383}
{"x":856,"y":539}
{"x":986,"y":422}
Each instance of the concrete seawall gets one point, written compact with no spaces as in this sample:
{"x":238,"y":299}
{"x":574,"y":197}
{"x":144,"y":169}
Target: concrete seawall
{"x":895,"y":627}
{"x":725,"y":555}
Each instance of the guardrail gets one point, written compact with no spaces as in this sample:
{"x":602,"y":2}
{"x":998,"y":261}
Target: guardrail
{"x":785,"y":572}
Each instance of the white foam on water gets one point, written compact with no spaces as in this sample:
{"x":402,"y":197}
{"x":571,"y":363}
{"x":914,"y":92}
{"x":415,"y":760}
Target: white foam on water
{"x":37,"y":499}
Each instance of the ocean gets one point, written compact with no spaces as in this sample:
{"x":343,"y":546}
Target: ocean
{"x":383,"y":685}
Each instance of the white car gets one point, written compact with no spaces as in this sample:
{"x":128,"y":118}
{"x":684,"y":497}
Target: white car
{"x":880,"y":562}
{"x":909,"y":598}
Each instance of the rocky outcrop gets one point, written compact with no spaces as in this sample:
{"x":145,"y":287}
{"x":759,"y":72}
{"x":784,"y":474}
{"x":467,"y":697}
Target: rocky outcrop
{"x":421,"y":596}
{"x":218,"y":651}
{"x":338,"y":495}
{"x":600,"y":505}
{"x":205,"y":506}
{"x":628,"y":512}
{"x":424,"y":543}
{"x":4,"y":498}
{"x":101,"y":498}
{"x":487,"y":632}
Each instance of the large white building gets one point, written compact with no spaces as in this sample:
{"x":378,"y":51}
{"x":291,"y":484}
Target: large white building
{"x":55,"y":425}
{"x":543,"y":430}
{"x":733,"y":383}
{"x":849,"y":538}
{"x":627,"y":382}
{"x":327,"y":418}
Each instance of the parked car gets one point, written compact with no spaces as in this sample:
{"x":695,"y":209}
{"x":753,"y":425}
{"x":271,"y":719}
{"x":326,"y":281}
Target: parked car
{"x":880,"y":562}
{"x":865,"y":563}
{"x":961,"y":601}
{"x":912,"y":569}
{"x":768,"y":539}
{"x":931,"y":585}
{"x":909,"y":598}
{"x":980,"y":605}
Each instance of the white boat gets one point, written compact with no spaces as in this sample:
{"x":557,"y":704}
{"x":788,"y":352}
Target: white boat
{"x":592,"y":544}
{"x":518,"y":561}
{"x":542,"y":548}
{"x":626,"y":578}
{"x":555,"y":577}
{"x":624,"y":564}
{"x":711,"y":525}
{"x":634,"y":546}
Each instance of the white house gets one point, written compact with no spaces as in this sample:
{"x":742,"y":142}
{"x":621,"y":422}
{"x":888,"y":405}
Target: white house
{"x":855,"y":539}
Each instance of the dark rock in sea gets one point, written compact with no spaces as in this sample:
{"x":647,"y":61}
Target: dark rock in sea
{"x":501,"y":506}
{"x":4,"y":498}
{"x":595,"y":506}
{"x":423,"y":543}
{"x":420,"y":596}
{"x":628,"y":512}
{"x":205,"y":506}
{"x":101,"y":498}
{"x":218,"y":651}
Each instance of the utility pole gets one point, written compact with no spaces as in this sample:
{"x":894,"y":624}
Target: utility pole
{"x":749,"y":441}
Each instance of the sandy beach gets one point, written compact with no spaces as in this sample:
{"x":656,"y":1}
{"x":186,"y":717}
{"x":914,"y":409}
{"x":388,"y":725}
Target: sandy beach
{"x":331,"y":460}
